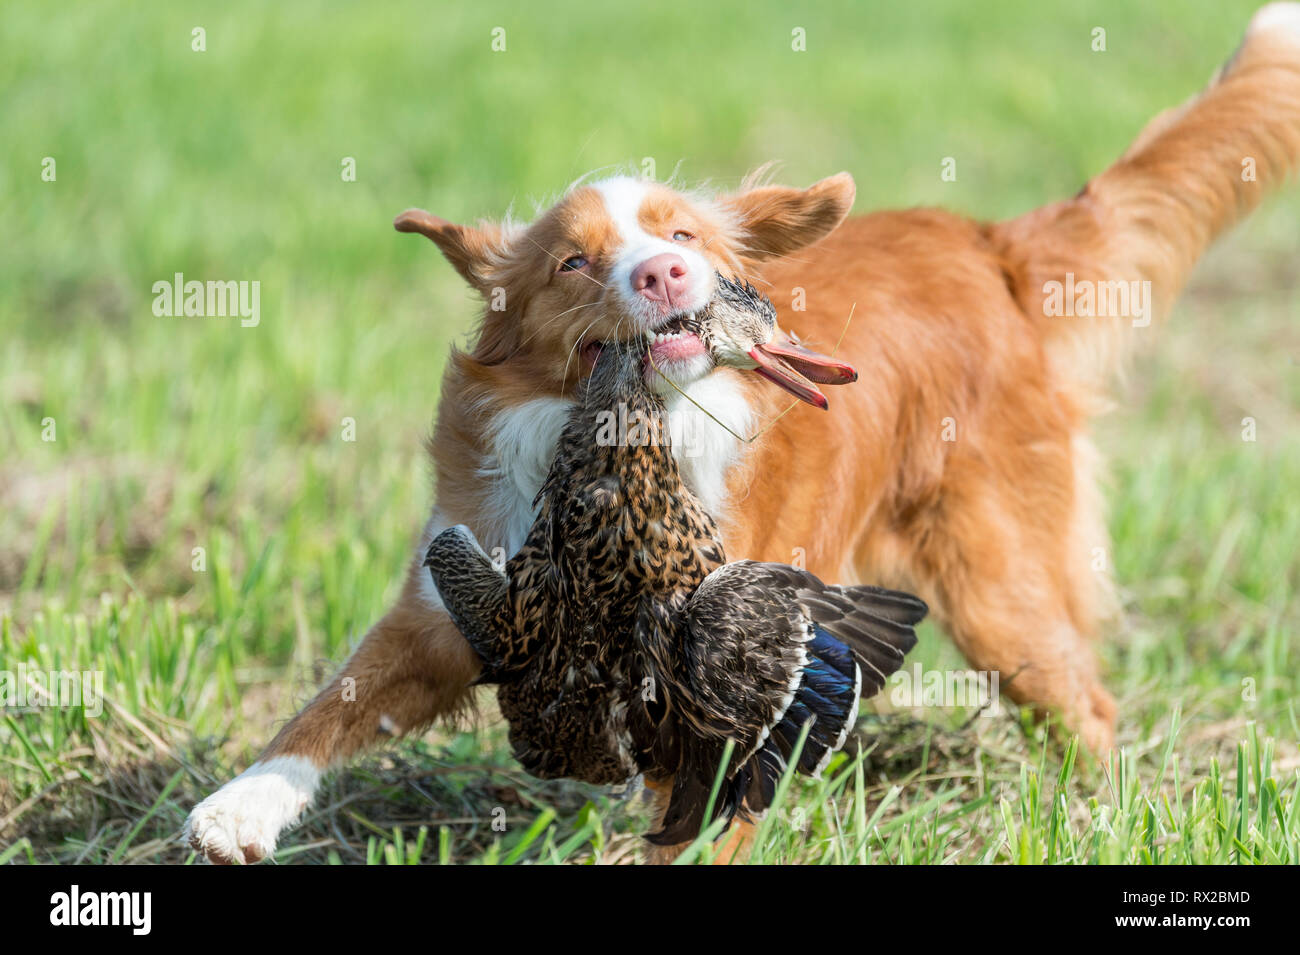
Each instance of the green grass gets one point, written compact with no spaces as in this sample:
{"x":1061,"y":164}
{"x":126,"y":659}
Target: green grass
{"x":176,"y":434}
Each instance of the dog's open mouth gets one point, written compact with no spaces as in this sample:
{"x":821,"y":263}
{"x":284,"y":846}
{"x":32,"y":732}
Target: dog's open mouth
{"x":676,"y":340}
{"x":686,"y":324}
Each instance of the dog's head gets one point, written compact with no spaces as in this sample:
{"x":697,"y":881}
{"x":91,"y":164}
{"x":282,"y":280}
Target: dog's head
{"x":621,"y":258}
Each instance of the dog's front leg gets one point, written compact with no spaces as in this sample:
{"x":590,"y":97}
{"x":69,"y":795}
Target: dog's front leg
{"x":411,"y":668}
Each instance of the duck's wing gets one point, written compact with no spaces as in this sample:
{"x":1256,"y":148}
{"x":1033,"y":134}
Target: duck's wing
{"x":474,"y":592}
{"x":876,"y":624}
{"x":755,"y":627}
{"x":769,"y":650}
{"x":724,"y":668}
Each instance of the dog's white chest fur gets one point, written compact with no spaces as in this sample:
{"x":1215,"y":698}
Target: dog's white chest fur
{"x":523,"y":441}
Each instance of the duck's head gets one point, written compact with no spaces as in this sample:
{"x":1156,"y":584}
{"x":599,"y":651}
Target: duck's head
{"x":739,"y":329}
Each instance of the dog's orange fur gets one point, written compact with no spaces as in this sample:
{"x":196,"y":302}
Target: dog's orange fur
{"x":995,"y":529}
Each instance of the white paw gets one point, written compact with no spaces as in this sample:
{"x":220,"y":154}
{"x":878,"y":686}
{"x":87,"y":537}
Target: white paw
{"x":240,"y":822}
{"x":1281,"y":18}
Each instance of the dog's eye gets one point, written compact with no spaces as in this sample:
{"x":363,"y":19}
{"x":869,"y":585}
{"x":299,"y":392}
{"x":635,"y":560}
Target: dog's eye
{"x":682,"y":236}
{"x":573,"y":263}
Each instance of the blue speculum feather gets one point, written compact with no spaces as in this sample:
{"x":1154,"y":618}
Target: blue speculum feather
{"x":826,"y":697}
{"x":826,"y":647}
{"x":830,"y":700}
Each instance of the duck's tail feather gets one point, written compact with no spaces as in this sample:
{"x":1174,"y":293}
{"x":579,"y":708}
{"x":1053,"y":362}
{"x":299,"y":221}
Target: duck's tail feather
{"x":692,"y":785}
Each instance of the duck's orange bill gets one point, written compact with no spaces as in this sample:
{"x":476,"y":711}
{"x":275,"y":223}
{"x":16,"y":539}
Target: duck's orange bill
{"x":786,"y":363}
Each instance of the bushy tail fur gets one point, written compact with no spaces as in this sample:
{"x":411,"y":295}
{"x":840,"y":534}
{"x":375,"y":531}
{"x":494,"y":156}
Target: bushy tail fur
{"x":1191,"y":173}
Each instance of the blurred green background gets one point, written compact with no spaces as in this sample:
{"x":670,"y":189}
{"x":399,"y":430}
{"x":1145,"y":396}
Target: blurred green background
{"x":177,"y":433}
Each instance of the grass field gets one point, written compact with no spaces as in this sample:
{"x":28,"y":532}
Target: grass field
{"x":130,"y":440}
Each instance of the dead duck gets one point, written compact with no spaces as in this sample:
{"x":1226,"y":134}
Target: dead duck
{"x":623,"y":643}
{"x":739,"y":329}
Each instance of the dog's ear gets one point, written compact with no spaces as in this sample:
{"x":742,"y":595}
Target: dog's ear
{"x":475,"y":251}
{"x":777,"y":220}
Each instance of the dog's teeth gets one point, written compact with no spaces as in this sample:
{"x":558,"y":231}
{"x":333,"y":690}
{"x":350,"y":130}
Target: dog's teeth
{"x":681,"y":328}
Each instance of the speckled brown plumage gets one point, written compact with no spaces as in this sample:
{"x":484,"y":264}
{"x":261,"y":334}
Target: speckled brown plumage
{"x":556,"y":630}
{"x":621,"y":641}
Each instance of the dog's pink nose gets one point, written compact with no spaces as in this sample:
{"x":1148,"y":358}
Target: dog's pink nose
{"x":662,"y":278}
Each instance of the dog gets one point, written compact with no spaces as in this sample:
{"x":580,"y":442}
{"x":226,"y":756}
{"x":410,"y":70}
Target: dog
{"x":959,"y":467}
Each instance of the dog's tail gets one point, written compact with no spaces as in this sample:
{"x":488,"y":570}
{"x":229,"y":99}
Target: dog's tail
{"x":1117,"y":255}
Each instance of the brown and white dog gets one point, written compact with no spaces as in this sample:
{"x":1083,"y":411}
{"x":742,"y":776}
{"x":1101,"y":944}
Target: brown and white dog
{"x":959,"y":466}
